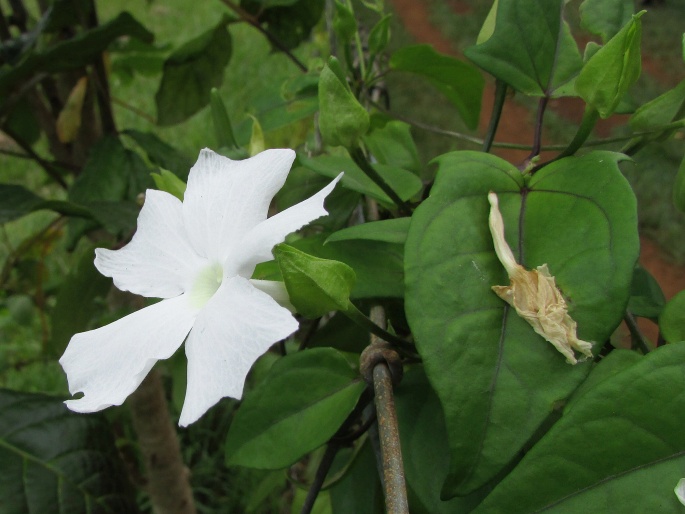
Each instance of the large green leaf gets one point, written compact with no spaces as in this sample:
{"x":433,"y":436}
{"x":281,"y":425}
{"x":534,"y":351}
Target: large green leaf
{"x":610,"y":72}
{"x":56,"y":461}
{"x":578,"y":215}
{"x":531,"y":48}
{"x":191,"y":72}
{"x":619,"y":447}
{"x":425,"y":450}
{"x":73,"y":53}
{"x":605,"y":17}
{"x":388,"y":231}
{"x":298,"y":407}
{"x":360,"y":490}
{"x":460,"y":82}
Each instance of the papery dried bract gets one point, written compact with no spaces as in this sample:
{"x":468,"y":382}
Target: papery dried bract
{"x":535,"y":296}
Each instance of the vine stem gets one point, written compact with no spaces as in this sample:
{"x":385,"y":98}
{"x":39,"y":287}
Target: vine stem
{"x":360,"y":319}
{"x":590,"y":117}
{"x":321,"y":472}
{"x":252,"y":20}
{"x":500,"y":96}
{"x":537,"y":135}
{"x":635,"y":332}
{"x":360,"y":160}
{"x":46,"y":165}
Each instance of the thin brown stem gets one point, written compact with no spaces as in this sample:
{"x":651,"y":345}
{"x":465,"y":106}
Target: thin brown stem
{"x":46,"y":165}
{"x":167,"y":477}
{"x":133,"y":109}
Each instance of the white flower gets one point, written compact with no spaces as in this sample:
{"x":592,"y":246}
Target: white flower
{"x":680,"y":490}
{"x":198,"y":256}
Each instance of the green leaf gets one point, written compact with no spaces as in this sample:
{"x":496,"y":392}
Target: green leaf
{"x":17,"y":201}
{"x":160,"y":153}
{"x":425,"y":450}
{"x":222,"y":123}
{"x":388,"y":231}
{"x":488,"y":28}
{"x":170,"y":183}
{"x":76,"y":303}
{"x":531,"y":48}
{"x":391,"y":143}
{"x":619,"y":448}
{"x":299,"y":406}
{"x":191,"y":72}
{"x":290,"y":22}
{"x":342,"y":119}
{"x":74,"y":53}
{"x":672,"y":319}
{"x":605,"y":17}
{"x":380,"y":35}
{"x":54,"y":460}
{"x":610,"y":72}
{"x":315,"y":286}
{"x":460,"y":82}
{"x":646,"y":298}
{"x":303,"y":183}
{"x":664,"y":109}
{"x":360,"y":490}
{"x":344,"y":23}
{"x":405,"y":183}
{"x":379,"y":266}
{"x":679,"y":187}
{"x":578,"y":215}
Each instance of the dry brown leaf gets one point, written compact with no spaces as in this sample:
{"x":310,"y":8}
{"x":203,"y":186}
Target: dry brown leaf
{"x":535,"y":296}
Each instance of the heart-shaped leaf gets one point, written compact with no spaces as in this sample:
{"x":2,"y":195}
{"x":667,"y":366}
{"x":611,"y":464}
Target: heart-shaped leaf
{"x":496,"y":378}
{"x":531,"y":48}
{"x":619,"y":447}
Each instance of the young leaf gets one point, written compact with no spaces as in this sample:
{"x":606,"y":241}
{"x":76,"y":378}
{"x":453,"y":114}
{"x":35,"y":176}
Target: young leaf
{"x":388,"y":231}
{"x":299,"y":406}
{"x":170,"y":183}
{"x":460,"y":82}
{"x":342,"y":118}
{"x":615,"y":67}
{"x":391,"y":143}
{"x":531,"y":48}
{"x":619,"y":447}
{"x":69,"y":119}
{"x":672,"y":319}
{"x":578,"y":215}
{"x":605,"y":17}
{"x":664,"y":109}
{"x":380,"y":35}
{"x":315,"y":286}
{"x":222,"y":123}
{"x":344,"y":23}
{"x":190,"y":73}
{"x":54,"y":460}
{"x":379,"y":266}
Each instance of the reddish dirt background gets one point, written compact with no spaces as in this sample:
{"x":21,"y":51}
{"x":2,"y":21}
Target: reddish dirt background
{"x":516,"y":126}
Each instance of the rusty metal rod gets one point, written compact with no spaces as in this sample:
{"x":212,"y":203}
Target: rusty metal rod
{"x":393,"y":469}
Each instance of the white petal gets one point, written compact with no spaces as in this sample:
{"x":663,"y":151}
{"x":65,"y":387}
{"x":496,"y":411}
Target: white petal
{"x":257,"y":245}
{"x":275,"y":290}
{"x":680,"y":490}
{"x":109,"y":363}
{"x":236,"y":326}
{"x":225,"y":199}
{"x":159,"y":261}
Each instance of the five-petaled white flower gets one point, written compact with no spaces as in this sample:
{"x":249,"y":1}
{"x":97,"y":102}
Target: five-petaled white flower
{"x":198,"y":256}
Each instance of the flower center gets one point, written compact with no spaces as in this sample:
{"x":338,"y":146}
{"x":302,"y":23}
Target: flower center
{"x":205,"y":285}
